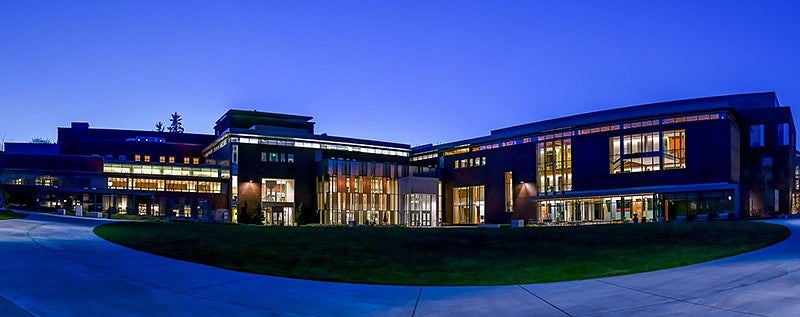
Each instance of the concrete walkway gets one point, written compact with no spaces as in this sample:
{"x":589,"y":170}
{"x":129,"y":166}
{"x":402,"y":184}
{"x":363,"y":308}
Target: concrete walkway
{"x":54,"y":265}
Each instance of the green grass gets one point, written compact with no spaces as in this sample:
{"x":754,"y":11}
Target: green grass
{"x":446,"y":256}
{"x":6,"y":214}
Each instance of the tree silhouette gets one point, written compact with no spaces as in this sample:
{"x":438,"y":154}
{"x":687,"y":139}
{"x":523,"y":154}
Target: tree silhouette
{"x":175,"y":125}
{"x":159,"y":126}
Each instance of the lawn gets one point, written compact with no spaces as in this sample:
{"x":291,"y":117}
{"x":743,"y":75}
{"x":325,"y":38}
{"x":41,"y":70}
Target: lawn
{"x":6,"y":214}
{"x":447,"y":256}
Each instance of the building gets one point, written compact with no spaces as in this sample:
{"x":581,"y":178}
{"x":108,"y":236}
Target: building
{"x":284,"y":171}
{"x":673,"y":160}
{"x":144,"y":173}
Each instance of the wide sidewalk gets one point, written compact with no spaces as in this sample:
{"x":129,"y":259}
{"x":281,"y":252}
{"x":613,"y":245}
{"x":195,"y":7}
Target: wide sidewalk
{"x":55,"y":265}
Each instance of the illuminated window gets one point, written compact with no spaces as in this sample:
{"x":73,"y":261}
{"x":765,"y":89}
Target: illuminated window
{"x":554,"y":166}
{"x":263,"y":156}
{"x":186,"y":160}
{"x":283,"y":157}
{"x":147,"y":158}
{"x":148,"y":184}
{"x":290,"y":158}
{"x":137,"y":158}
{"x":172,"y":160}
{"x":273,"y":157}
{"x":162,"y":159}
{"x":235,"y":154}
{"x":509,"y":192}
{"x":47,"y":181}
{"x":196,"y":161}
{"x":277,"y":190}
{"x":117,"y":183}
{"x":208,"y":187}
{"x":674,"y":149}
{"x":634,"y":153}
{"x":468,"y":205}
{"x":180,"y":186}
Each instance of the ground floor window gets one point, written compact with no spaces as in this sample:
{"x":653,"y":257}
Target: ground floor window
{"x":639,"y":207}
{"x":419,"y":210}
{"x":278,"y":215}
{"x":468,"y":205}
{"x":689,"y":205}
{"x":611,"y":208}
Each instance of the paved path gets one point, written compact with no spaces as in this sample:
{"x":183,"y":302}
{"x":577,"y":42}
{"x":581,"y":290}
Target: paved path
{"x":53,"y":265}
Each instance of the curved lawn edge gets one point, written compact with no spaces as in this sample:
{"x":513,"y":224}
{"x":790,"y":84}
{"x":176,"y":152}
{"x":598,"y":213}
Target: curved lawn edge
{"x":451,"y":257}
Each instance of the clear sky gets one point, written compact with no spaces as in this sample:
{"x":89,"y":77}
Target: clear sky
{"x":403,"y":71}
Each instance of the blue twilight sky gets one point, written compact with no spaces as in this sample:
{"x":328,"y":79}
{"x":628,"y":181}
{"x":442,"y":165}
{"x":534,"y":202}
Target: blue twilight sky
{"x":405,"y":71}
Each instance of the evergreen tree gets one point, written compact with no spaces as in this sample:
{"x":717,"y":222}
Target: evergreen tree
{"x":159,"y":126}
{"x":175,"y":125}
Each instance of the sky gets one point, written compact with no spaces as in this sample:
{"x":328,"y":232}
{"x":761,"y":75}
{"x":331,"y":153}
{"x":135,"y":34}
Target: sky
{"x":413,"y":72}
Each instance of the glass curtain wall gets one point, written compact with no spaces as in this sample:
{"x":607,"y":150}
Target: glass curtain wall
{"x":674,"y":149}
{"x":644,"y":152}
{"x":468,"y":205}
{"x":419,"y":209}
{"x":277,"y":201}
{"x":554,"y":166}
{"x":364,"y":192}
{"x":599,"y":209}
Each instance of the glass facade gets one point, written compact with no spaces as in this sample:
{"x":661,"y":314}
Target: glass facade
{"x":142,"y":169}
{"x":168,"y":185}
{"x":554,"y":166}
{"x":277,"y":190}
{"x":419,"y":209}
{"x":509,"y":187}
{"x":645,"y":152}
{"x":469,"y":205}
{"x":364,"y":192}
{"x":674,"y":149}
{"x":599,"y":209}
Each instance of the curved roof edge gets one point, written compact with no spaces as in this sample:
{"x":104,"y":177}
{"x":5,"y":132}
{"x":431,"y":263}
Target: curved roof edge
{"x":744,"y":101}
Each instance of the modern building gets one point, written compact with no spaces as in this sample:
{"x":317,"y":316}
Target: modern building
{"x":670,"y":160}
{"x":673,"y":160}
{"x":281,"y":169}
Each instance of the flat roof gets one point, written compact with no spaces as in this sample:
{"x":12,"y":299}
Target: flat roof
{"x":744,"y":101}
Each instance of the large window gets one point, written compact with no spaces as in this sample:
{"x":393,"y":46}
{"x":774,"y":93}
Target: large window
{"x":783,"y":134}
{"x":757,"y":135}
{"x":47,"y":181}
{"x":468,"y":205}
{"x":277,"y":190}
{"x":470,"y":162}
{"x":635,"y":153}
{"x":674,"y":149}
{"x":509,"y":192}
{"x":554,"y":166}
{"x":117,"y":183}
{"x":644,"y":152}
{"x":420,"y":209}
